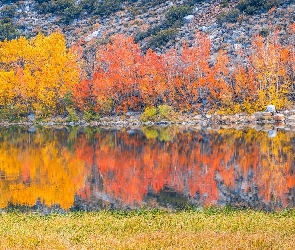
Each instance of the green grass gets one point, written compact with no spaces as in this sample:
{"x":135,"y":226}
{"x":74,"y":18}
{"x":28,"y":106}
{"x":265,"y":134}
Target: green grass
{"x":209,"y":229}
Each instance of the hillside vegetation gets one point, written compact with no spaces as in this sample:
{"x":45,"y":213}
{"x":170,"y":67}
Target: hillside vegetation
{"x":156,"y":24}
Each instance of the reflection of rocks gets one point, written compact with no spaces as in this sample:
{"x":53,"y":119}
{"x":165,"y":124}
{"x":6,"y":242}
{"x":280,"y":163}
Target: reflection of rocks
{"x":32,"y":129}
{"x":279,"y":118}
{"x":291,"y":198}
{"x":245,"y":194}
{"x":291,"y":118}
{"x":168,"y":198}
{"x":272,"y":133}
{"x":39,"y":207}
{"x":95,"y":204}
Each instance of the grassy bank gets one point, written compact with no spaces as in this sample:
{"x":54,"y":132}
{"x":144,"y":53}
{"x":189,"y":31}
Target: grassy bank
{"x":209,"y":229}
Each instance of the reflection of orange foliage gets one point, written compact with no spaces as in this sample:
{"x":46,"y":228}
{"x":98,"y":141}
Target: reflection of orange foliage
{"x":38,"y":168}
{"x":130,"y":165}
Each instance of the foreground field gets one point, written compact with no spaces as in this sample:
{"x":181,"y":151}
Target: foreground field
{"x":209,"y":229}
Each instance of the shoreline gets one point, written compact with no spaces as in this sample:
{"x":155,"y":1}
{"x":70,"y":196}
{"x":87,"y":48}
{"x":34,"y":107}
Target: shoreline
{"x":260,"y":120}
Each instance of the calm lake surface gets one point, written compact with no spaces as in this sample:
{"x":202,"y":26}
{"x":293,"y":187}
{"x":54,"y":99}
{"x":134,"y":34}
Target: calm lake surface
{"x":94,"y":168}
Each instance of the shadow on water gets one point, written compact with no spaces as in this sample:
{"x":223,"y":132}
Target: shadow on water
{"x":58,"y":169}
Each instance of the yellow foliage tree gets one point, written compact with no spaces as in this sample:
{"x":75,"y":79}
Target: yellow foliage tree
{"x":36,"y":74}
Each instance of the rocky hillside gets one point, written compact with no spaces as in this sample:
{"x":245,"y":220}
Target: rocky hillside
{"x":157,"y":24}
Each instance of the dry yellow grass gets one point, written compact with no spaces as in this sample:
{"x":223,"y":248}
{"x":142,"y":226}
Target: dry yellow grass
{"x":210,"y":229}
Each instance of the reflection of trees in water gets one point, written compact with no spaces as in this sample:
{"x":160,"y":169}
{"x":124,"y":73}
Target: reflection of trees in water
{"x":37,"y":166}
{"x":246,"y":168}
{"x":112,"y":168}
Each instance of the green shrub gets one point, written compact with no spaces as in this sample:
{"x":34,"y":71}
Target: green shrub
{"x":230,"y":16}
{"x":192,"y":2}
{"x":8,"y":30}
{"x":12,"y":112}
{"x":166,"y":112}
{"x":162,"y":38}
{"x":153,"y":3}
{"x":152,"y":31}
{"x":224,"y":3}
{"x":167,"y":31}
{"x":107,"y":7}
{"x":90,"y":115}
{"x":248,"y":7}
{"x":163,"y":112}
{"x":252,"y":6}
{"x":149,"y":114}
{"x":70,"y":13}
{"x":68,"y":99}
{"x":72,"y":115}
{"x":264,"y":32}
{"x":55,"y":6}
{"x":8,"y":10}
{"x":175,"y":15}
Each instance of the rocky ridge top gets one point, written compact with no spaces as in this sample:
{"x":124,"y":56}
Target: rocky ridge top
{"x":136,"y":17}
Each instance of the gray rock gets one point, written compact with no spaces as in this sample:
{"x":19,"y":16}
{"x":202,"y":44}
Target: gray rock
{"x":270,"y":108}
{"x":131,"y":113}
{"x":251,"y":118}
{"x":279,"y":117}
{"x":266,"y":114}
{"x":291,"y":118}
{"x":189,"y":18}
{"x":31,"y":117}
{"x":258,"y":115}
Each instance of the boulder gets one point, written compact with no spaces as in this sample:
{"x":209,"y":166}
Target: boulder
{"x":31,"y":117}
{"x":291,"y":118}
{"x":197,"y":117}
{"x":233,"y":119}
{"x":266,"y":114}
{"x":270,"y":108}
{"x":258,"y":115}
{"x":189,"y":18}
{"x":279,"y":118}
{"x":251,"y":118}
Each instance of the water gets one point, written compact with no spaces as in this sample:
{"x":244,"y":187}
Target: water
{"x":94,"y":168}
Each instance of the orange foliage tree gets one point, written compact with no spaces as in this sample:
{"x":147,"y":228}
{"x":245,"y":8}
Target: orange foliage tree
{"x":126,"y":79}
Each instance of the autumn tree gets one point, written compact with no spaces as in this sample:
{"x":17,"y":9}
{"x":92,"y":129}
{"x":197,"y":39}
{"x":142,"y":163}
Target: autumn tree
{"x":262,"y":78}
{"x":116,"y":77}
{"x":38,"y":73}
